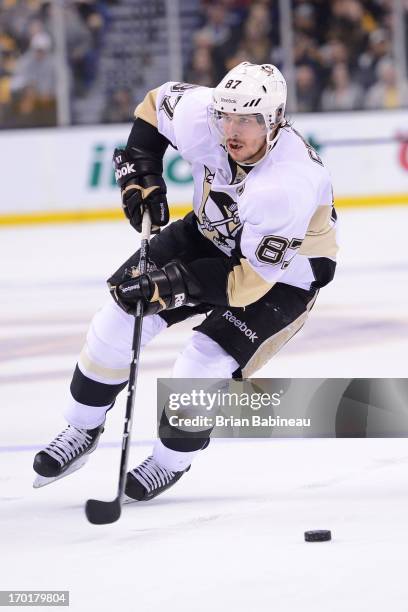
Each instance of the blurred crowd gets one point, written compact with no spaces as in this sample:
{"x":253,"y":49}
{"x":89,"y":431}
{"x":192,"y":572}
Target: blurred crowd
{"x":342,"y":53}
{"x":342,"y":49}
{"x":28,"y":67}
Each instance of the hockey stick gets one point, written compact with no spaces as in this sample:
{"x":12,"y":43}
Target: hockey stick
{"x":101,"y":512}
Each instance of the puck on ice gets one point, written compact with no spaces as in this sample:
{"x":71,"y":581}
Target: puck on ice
{"x":318,"y":535}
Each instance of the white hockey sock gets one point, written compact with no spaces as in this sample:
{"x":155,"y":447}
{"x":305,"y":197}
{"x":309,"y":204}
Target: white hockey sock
{"x":175,"y":461}
{"x":83,"y":416}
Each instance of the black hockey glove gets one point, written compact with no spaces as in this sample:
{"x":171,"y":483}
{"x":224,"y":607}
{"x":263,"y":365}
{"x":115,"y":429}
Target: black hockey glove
{"x":138,"y":173}
{"x":169,"y":287}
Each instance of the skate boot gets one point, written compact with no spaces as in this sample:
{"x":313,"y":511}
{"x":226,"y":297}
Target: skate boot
{"x":68,"y":452}
{"x":150,"y":479}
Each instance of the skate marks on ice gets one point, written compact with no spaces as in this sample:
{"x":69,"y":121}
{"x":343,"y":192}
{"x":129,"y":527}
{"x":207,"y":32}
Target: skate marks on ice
{"x":353,"y":312}
{"x":175,"y":513}
{"x":36,"y":351}
{"x":357,"y":474}
{"x":237,"y":517}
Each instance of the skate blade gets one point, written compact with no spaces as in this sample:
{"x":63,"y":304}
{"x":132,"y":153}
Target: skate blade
{"x":129,"y":500}
{"x":43,"y":481}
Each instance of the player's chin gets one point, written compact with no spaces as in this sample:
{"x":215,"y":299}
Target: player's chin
{"x":237,"y":153}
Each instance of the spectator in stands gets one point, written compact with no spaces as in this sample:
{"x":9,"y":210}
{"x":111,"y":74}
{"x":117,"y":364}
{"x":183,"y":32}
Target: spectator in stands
{"x":94,"y":16}
{"x":348,"y":24}
{"x":312,"y":17}
{"x":20,"y":21}
{"x":385,"y":92}
{"x":333,"y":52}
{"x":378,"y":48}
{"x":220,"y":34}
{"x":79,"y":49}
{"x":202,"y":68}
{"x":338,"y":49}
{"x":342,"y":93}
{"x":307,"y":90}
{"x":305,"y":20}
{"x":119,"y":108}
{"x":256,"y":44}
{"x":219,"y":22}
{"x":306,"y":51}
{"x":15,"y":19}
{"x":8,"y":54}
{"x":36,"y":68}
{"x":33,"y":84}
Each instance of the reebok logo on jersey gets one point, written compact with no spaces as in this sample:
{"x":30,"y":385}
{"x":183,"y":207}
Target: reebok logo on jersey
{"x":124,"y":171}
{"x":251,"y":335}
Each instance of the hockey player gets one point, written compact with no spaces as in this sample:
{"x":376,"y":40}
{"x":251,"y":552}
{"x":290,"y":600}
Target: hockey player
{"x":257,"y":247}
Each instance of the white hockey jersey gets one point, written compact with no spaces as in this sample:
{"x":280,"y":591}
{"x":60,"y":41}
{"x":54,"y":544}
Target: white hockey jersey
{"x":278,"y":215}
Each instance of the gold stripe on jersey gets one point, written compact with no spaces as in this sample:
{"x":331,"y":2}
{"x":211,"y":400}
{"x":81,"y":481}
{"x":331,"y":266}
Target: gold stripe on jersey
{"x":320,"y":238}
{"x":207,"y":182}
{"x":146,"y":110}
{"x":273,"y":344}
{"x":245,"y":286}
{"x":111,"y":375}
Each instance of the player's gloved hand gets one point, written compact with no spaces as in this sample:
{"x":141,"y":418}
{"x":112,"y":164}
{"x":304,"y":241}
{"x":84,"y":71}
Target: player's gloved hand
{"x":138,"y":173}
{"x":169,"y":287}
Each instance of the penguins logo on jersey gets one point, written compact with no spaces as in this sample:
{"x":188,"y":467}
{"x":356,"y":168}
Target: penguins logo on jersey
{"x":218,"y":215}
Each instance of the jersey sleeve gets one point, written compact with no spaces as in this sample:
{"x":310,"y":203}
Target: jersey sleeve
{"x":179,"y":112}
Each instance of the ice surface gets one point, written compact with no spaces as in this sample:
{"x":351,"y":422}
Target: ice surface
{"x":230,"y":533}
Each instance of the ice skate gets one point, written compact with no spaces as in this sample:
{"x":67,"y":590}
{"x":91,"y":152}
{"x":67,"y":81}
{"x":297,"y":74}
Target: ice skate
{"x":68,"y":452}
{"x":148,"y":480}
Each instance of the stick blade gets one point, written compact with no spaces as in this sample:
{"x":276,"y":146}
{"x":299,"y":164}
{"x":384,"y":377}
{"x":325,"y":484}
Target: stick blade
{"x":101,"y":512}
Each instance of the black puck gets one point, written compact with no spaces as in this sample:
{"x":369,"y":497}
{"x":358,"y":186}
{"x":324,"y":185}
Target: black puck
{"x":318,"y":535}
